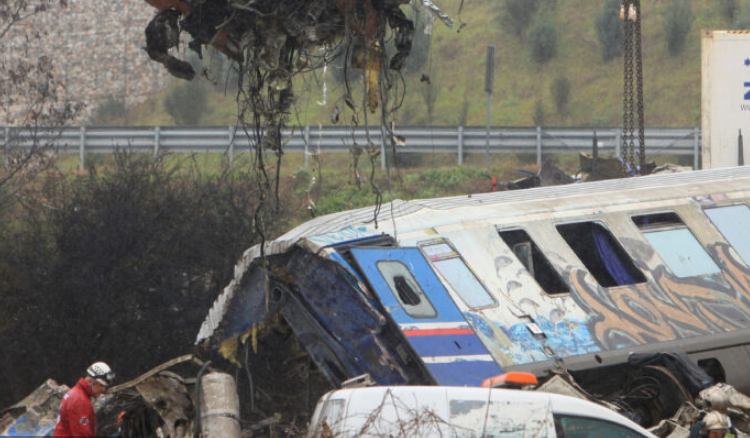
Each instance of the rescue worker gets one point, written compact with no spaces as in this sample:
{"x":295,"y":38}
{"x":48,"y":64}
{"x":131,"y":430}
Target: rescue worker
{"x":77,"y":416}
{"x":713,"y":425}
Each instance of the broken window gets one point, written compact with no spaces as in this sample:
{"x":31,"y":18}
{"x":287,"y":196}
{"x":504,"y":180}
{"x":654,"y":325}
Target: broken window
{"x":534,"y":260}
{"x":405,"y":288}
{"x":733,"y":223}
{"x":452,"y":268}
{"x":676,"y":245}
{"x":601,"y":253}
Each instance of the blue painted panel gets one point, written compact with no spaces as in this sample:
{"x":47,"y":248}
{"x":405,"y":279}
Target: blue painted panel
{"x":447,"y":355}
{"x":413,"y":259}
{"x":336,"y":257}
{"x":28,"y":426}
{"x":468,"y":373}
{"x":445,"y":345}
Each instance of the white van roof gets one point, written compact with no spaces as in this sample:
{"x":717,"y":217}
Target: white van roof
{"x":374,"y":411}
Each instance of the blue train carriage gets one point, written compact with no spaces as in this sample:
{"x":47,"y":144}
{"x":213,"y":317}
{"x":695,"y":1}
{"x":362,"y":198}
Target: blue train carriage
{"x":451,"y":291}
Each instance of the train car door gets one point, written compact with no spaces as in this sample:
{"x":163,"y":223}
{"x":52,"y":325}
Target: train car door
{"x":413,"y":295}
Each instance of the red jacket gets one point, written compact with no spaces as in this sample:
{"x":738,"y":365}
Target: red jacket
{"x":77,"y":416}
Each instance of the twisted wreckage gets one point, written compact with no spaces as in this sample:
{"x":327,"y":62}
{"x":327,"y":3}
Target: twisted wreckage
{"x":551,"y":280}
{"x":273,"y":40}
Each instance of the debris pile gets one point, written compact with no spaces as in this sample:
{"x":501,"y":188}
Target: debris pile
{"x":274,"y":40}
{"x":36,"y":415}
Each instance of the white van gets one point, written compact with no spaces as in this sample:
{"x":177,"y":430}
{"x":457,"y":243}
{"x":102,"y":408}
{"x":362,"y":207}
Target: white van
{"x":463,"y":412}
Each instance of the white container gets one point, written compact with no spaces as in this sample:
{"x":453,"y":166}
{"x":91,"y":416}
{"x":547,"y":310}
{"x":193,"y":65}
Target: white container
{"x":725,"y":96}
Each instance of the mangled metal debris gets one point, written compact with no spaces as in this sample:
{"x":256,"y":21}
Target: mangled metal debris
{"x":36,"y":415}
{"x":450,"y":291}
{"x":278,"y":39}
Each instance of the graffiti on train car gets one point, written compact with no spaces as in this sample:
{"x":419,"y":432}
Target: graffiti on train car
{"x":669,"y":308}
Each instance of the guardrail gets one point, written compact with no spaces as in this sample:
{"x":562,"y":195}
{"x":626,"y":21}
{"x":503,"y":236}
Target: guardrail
{"x":333,"y":139}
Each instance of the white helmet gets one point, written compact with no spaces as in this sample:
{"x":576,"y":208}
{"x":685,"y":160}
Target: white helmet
{"x":102,"y":373}
{"x":716,"y":421}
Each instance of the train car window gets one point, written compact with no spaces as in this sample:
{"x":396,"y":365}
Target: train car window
{"x":534,"y":260}
{"x":406,"y":289}
{"x":453,"y":269}
{"x":657,"y":220}
{"x":676,"y":245}
{"x":733,"y":223}
{"x":601,"y":253}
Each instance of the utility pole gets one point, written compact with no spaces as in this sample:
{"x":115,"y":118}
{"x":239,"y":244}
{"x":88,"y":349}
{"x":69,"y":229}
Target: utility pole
{"x":488,"y":82}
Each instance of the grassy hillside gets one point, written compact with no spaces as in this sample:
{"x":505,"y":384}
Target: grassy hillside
{"x":455,"y":65}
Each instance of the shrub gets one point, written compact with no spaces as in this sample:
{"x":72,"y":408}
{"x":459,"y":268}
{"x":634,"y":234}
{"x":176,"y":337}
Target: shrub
{"x":742,"y":16}
{"x":539,"y":116}
{"x":150,"y":248}
{"x":109,"y":109}
{"x":609,"y":30}
{"x":186,"y":102}
{"x":543,"y":41}
{"x":518,"y":14}
{"x":679,"y":15}
{"x":729,"y":9}
{"x":561,"y":92}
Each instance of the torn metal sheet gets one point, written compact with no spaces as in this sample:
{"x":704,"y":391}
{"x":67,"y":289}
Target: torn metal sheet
{"x":169,"y":397}
{"x":36,"y":415}
{"x":436,"y":10}
{"x":324,"y":304}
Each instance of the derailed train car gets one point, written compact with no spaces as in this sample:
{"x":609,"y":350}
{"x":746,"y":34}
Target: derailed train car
{"x":451,"y":291}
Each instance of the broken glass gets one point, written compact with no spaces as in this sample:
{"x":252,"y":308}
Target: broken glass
{"x":406,"y":289}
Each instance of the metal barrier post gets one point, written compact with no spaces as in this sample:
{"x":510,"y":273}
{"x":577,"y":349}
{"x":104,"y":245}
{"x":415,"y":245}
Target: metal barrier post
{"x":696,"y":148}
{"x":740,"y":151}
{"x":618,"y":143}
{"x":157,"y":139}
{"x":82,"y":150}
{"x":460,"y":145}
{"x":231,"y":133}
{"x":306,"y":140}
{"x":595,"y":161}
{"x":539,"y":146}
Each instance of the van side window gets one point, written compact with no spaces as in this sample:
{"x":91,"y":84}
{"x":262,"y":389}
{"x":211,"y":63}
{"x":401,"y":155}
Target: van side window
{"x":581,"y":427}
{"x":406,"y":289}
{"x":534,"y":260}
{"x":451,"y":266}
{"x":676,"y":245}
{"x":733,"y":222}
{"x":601,"y":253}
{"x":330,"y":419}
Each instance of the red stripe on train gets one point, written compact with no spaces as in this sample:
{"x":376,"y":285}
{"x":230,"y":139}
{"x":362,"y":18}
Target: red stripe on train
{"x":438,"y":332}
